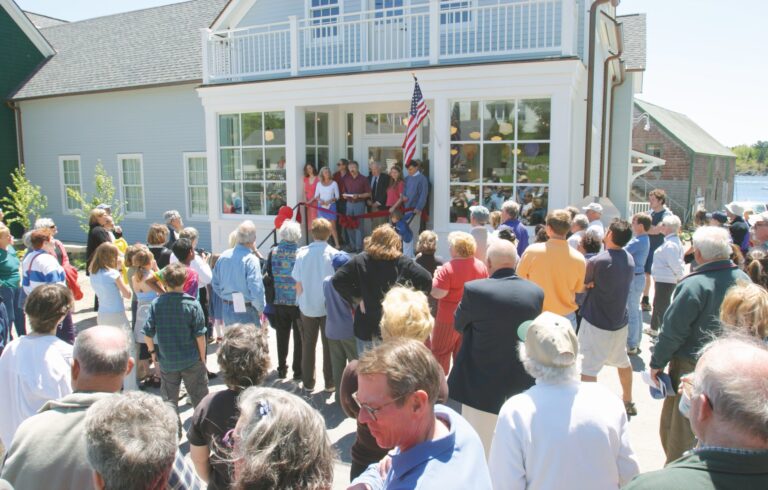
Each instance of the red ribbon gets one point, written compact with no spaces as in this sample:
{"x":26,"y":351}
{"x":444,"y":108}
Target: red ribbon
{"x":353,"y":222}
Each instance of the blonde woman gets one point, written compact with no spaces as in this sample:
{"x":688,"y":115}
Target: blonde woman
{"x":745,"y":309}
{"x":447,"y":288}
{"x":326,"y":195}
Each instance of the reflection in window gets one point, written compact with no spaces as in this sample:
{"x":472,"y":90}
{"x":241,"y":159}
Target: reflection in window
{"x":252,"y":162}
{"x":316,"y":126}
{"x":386,"y":123}
{"x":501,"y":148}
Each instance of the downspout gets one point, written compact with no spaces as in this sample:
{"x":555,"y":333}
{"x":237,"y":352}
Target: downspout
{"x":590,"y":90}
{"x":604,"y":114}
{"x":19,"y":131}
{"x":623,"y":74}
{"x":690,"y":186}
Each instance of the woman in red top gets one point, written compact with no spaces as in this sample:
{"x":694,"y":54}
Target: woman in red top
{"x":448,"y":288}
{"x":395,"y":197}
{"x":310,"y":184}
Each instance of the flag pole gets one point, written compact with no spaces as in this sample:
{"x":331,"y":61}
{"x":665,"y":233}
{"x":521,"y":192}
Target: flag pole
{"x":429,"y":116}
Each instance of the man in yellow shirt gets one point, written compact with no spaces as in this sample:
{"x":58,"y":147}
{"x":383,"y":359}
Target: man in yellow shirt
{"x":555,"y":267}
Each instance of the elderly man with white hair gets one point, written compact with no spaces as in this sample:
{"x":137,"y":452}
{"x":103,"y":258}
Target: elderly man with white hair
{"x":727,"y":404}
{"x":237,"y":279}
{"x":510,"y":216}
{"x":174,"y":223}
{"x":691,"y":319}
{"x":666,"y":270}
{"x":481,"y":231}
{"x":561,"y":433}
{"x":579,"y":225}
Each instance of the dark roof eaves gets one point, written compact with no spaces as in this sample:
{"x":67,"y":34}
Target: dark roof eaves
{"x":113,"y":89}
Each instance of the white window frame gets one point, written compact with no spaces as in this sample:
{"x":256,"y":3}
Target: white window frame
{"x":132,"y":156}
{"x":331,"y":37}
{"x":186,"y":156}
{"x":470,"y":23}
{"x":64,"y":206}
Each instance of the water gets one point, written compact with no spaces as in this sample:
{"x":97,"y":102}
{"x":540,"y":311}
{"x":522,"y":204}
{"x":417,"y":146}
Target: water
{"x":750,"y":188}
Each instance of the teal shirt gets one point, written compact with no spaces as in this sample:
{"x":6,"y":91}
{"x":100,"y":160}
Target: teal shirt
{"x":9,"y":268}
{"x":693,"y":317}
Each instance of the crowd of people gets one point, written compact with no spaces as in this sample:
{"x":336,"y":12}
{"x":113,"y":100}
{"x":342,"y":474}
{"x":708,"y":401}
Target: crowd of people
{"x":514,"y":328}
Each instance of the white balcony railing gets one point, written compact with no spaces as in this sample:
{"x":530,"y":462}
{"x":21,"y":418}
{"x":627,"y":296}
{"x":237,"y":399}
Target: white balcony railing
{"x":399,"y":36}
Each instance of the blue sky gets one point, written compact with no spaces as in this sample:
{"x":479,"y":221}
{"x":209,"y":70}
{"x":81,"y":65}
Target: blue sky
{"x":706,"y":58}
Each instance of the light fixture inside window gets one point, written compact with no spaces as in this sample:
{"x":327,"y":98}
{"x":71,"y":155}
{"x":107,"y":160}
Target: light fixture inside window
{"x":496,"y":138}
{"x":505,"y":128}
{"x":269,"y":135}
{"x":454,"y":130}
{"x":475,"y":135}
{"x":454,"y":151}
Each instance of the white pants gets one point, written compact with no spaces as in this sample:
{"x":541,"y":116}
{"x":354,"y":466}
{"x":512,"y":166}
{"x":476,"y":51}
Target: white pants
{"x":484,"y":424}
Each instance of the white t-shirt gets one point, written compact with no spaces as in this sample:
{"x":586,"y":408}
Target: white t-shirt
{"x":562,"y":435}
{"x":325,"y":193}
{"x":199,"y":265}
{"x":33,"y":370}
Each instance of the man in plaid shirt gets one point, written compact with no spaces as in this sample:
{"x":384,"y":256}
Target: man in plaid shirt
{"x":177,"y":320}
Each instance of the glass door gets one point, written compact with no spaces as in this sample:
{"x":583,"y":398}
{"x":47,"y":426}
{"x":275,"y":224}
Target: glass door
{"x":387,"y":156}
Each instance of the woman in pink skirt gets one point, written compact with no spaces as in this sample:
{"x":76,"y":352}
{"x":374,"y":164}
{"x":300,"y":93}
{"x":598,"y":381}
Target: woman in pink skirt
{"x":310,"y":183}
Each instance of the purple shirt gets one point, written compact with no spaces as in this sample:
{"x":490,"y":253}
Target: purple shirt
{"x":338,"y":314}
{"x":358,"y":185}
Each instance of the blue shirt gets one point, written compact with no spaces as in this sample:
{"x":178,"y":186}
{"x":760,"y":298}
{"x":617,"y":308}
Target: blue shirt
{"x":283,"y":260}
{"x":103,"y":284}
{"x":416,"y":189}
{"x":238,"y":271}
{"x":454,"y":461}
{"x":521,"y":233}
{"x":313,"y":265}
{"x":338,"y":320}
{"x":638,"y":248}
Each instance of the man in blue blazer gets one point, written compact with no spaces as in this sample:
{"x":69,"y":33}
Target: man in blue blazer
{"x":488,"y":370}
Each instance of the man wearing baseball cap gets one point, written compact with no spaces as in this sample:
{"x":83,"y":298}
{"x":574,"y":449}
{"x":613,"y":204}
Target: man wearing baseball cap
{"x":579,"y":428}
{"x":739,"y":228}
{"x":759,"y":224}
{"x":594,"y":211}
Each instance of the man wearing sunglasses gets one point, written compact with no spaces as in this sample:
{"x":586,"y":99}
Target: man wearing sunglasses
{"x":398,"y":385}
{"x":728,"y":413}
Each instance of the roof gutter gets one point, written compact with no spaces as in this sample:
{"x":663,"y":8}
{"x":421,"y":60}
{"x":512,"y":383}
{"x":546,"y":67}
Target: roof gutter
{"x":623,"y":73}
{"x":604,"y":116}
{"x":19,"y":131}
{"x":590,"y":90}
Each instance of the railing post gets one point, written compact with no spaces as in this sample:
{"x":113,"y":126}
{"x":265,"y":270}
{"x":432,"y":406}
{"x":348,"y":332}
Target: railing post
{"x":568,"y":27}
{"x":434,"y":32}
{"x":294,"y":23}
{"x":205,"y":35}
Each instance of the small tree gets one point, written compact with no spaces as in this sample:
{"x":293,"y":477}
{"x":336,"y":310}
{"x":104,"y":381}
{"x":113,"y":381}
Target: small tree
{"x":25,"y":201}
{"x":105,"y":194}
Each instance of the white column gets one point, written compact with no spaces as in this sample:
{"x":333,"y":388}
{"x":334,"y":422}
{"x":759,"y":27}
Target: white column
{"x":441,"y":163}
{"x":295,"y":153}
{"x":294,"y":23}
{"x":434,"y":32}
{"x":568,"y":27}
{"x":562,"y":168}
{"x":214,"y":186}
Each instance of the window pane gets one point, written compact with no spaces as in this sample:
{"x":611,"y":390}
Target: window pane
{"x":229,"y":130}
{"x":534,"y":204}
{"x":400,"y":126}
{"x":275,"y":163}
{"x":495,"y":195}
{"x":72,"y":203}
{"x":498,"y":163}
{"x":252,"y":135}
{"x":533,"y":118}
{"x":274,"y":125}
{"x":425,"y":132}
{"x":386,"y":124}
{"x":198,"y":172}
{"x":350,"y":128}
{"x":198,"y":200}
{"x":533,"y":163}
{"x":253,"y":164}
{"x":322,"y":158}
{"x":230,"y":165}
{"x":350,"y":153}
{"x":71,"y":172}
{"x":231,"y":198}
{"x":465,"y":163}
{"x":465,"y":121}
{"x":499,"y":120}
{"x":462,"y":197}
{"x":322,"y":128}
{"x":309,"y":127}
{"x":275,"y":197}
{"x":134,"y":199}
{"x":131,"y":171}
{"x":253,"y":198}
{"x":371,"y":124}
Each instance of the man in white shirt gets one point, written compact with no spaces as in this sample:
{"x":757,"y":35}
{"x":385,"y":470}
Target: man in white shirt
{"x":580,"y":429}
{"x":594,"y":213}
{"x":579,"y":225}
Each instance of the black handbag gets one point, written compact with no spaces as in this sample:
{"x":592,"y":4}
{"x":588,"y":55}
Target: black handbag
{"x":268,"y":280}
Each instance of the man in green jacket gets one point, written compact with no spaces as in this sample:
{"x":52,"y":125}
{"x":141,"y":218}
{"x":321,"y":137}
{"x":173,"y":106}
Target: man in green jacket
{"x":692,"y":319}
{"x":727,"y":410}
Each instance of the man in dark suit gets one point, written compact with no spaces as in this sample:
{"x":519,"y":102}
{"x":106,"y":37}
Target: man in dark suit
{"x":379,"y":183}
{"x":488,"y":370}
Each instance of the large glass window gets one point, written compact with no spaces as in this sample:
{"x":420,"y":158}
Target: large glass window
{"x":252,"y":162}
{"x":390,"y":123}
{"x":316,"y":126}
{"x":70,"y":177}
{"x":197,"y":184}
{"x":500,"y":151}
{"x":350,"y":136}
{"x":132,"y":183}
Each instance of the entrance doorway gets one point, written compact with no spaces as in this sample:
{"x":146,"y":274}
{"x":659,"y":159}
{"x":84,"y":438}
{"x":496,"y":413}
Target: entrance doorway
{"x":387,"y":156}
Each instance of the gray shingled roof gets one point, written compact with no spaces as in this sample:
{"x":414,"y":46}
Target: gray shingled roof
{"x":41,"y":21}
{"x":142,"y":48}
{"x":684,"y":129}
{"x":634,"y":41}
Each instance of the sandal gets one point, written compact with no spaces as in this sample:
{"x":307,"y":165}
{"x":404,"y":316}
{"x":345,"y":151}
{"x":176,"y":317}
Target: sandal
{"x":631,"y":409}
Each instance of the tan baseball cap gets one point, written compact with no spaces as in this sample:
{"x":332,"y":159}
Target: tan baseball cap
{"x":550,"y":340}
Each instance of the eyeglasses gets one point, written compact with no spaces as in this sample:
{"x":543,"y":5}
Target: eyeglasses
{"x":371,"y":410}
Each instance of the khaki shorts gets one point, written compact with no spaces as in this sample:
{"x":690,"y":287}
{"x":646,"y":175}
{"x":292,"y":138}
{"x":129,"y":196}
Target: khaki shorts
{"x":602,"y":348}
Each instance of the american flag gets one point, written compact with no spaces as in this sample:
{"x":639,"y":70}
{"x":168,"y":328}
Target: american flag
{"x":417,"y":114}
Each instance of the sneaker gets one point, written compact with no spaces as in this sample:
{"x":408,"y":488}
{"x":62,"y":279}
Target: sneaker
{"x":330,"y":389}
{"x":631,"y":409}
{"x":633,"y":351}
{"x":212,"y":375}
{"x":651,"y":332}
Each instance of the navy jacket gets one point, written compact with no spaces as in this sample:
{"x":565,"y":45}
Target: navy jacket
{"x":487,"y":370}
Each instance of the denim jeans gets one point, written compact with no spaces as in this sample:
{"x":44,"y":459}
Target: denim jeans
{"x":14,"y":305}
{"x":230,"y":317}
{"x":356,"y":234}
{"x":634,"y":312}
{"x":572,"y":318}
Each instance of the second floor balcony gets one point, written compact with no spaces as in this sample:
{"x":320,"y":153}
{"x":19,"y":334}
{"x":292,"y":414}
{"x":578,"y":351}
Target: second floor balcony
{"x":430,"y":33}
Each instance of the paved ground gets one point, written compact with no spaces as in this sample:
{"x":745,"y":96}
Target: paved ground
{"x":341,"y":430}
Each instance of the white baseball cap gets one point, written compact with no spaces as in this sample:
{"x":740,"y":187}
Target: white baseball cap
{"x":593,"y":206}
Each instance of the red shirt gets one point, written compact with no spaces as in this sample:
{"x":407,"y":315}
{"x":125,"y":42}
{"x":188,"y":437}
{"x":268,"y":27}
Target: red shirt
{"x":356,"y":185}
{"x":394,"y":192}
{"x":451,"y":277}
{"x":339,"y":179}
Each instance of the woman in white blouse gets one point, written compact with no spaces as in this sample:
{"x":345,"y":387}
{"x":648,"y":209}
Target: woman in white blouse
{"x":326,"y":195}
